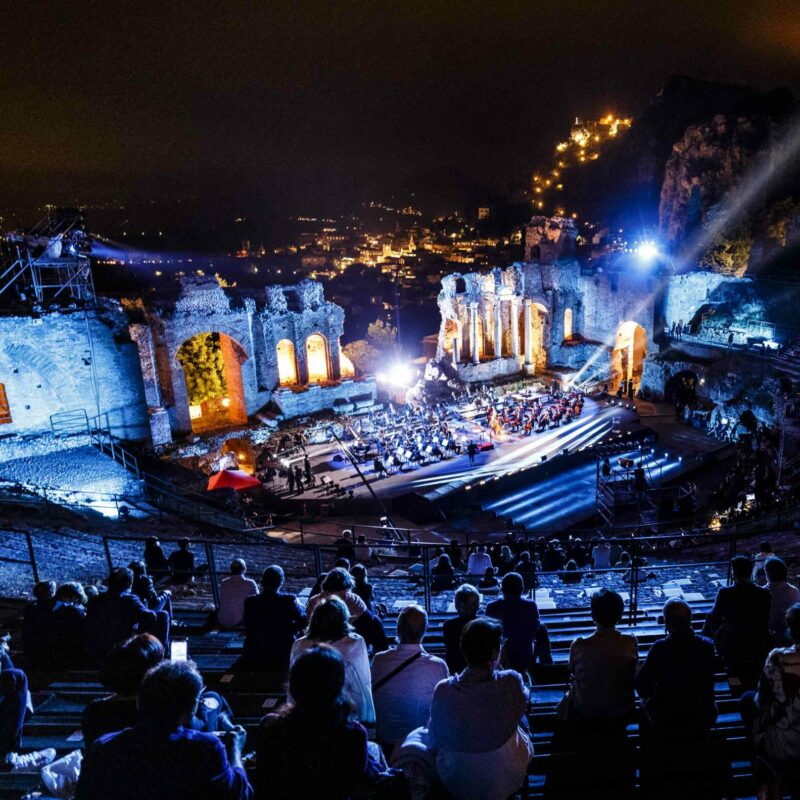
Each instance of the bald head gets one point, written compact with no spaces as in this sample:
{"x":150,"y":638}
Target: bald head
{"x":412,"y":622}
{"x":677,"y":615}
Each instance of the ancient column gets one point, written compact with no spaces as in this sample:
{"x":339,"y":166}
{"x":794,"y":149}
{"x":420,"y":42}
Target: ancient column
{"x":528,"y":334}
{"x":498,"y":329}
{"x":457,"y":346}
{"x":514,"y":327}
{"x":473,"y":332}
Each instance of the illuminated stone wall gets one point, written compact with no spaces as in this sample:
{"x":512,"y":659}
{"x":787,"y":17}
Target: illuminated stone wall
{"x":46,"y":368}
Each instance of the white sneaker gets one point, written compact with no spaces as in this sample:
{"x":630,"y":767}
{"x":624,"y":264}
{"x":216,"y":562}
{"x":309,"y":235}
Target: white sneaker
{"x":31,"y":761}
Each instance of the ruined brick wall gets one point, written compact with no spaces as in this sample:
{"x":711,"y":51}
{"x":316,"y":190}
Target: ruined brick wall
{"x":46,"y":368}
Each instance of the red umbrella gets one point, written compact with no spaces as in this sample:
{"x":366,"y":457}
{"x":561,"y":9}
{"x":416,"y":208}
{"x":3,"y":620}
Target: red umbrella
{"x":232,"y":479}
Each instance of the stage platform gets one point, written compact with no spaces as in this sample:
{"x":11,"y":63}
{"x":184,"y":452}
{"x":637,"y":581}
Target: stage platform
{"x":510,"y":454}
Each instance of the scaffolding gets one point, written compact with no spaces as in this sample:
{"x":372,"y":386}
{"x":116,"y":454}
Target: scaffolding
{"x":625,"y":490}
{"x":49,"y":264}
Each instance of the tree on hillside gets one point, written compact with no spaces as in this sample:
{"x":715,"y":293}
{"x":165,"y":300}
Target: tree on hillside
{"x":381,"y":334}
{"x":364,"y":356}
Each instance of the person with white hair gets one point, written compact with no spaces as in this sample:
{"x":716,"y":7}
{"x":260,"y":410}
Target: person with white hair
{"x":403,"y":680}
{"x":467,"y":602}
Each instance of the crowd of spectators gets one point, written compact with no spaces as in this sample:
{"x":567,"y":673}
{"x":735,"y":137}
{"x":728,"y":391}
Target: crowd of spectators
{"x":362,"y":716}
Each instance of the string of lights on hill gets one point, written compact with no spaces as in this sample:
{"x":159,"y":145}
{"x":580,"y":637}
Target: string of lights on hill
{"x":587,"y":140}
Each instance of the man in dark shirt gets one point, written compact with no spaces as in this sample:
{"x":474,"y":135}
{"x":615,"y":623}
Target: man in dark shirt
{"x":181,"y":563}
{"x":160,"y":758}
{"x":526,"y":639}
{"x":739,"y":624}
{"x":272,"y":619}
{"x":116,"y":615}
{"x":38,"y":629}
{"x":676,"y":680}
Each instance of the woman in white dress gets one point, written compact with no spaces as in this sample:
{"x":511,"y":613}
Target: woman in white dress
{"x":330,"y":625}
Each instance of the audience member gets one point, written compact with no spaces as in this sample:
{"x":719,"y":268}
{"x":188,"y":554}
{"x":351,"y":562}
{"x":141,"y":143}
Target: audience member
{"x":329,"y":624}
{"x":157,"y":563}
{"x":553,"y":557}
{"x":13,"y":704}
{"x":161,"y":758}
{"x":505,"y":561}
{"x":361,"y":585}
{"x":601,"y":555}
{"x":68,"y":632}
{"x":338,"y":583}
{"x":181,"y":563}
{"x":676,"y":680}
{"x":443,"y":576}
{"x":477,"y":720}
{"x":314,"y":746}
{"x":774,"y":714}
{"x":233,"y":591}
{"x":467,"y":602}
{"x":571,"y":573}
{"x":116,"y":615}
{"x":144,"y":588}
{"x":37,"y":626}
{"x":739,"y":624}
{"x":403,"y":680}
{"x":527,"y":569}
{"x":603,"y":667}
{"x":526,"y":638}
{"x":122,"y":674}
{"x":362,"y":552}
{"x":759,"y":577}
{"x":783,"y":596}
{"x":489,"y":582}
{"x":478,"y":562}
{"x":272,"y":619}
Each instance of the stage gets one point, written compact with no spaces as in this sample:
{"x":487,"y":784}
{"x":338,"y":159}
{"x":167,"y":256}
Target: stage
{"x":510,"y":455}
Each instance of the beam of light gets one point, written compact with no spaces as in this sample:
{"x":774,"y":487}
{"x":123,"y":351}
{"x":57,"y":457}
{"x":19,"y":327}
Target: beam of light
{"x":766,"y":168}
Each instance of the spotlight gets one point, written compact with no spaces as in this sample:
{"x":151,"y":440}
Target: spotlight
{"x":647,"y":252}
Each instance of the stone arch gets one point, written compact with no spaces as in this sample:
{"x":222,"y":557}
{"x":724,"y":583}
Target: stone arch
{"x":682,"y":387}
{"x":567,"y":324}
{"x":461,"y":285}
{"x":211,"y":365}
{"x":287,"y":362}
{"x":317,"y":358}
{"x":537,"y":335}
{"x":628,"y":354}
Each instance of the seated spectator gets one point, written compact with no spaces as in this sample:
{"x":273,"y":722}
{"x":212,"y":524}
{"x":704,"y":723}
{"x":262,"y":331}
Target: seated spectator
{"x":505,"y":561}
{"x":161,"y":758}
{"x":338,"y":583}
{"x":67,"y":645}
{"x":637,"y":569}
{"x":489,"y":582}
{"x":361,"y":585}
{"x":181,"y":563}
{"x":624,"y":561}
{"x":144,"y":588}
{"x":363,"y":552}
{"x":577,"y":552}
{"x":676,"y":680}
{"x":759,"y":576}
{"x":526,"y":639}
{"x":116,"y":615}
{"x":314,"y":746}
{"x":571,"y":573}
{"x":603,"y":668}
{"x":477,"y":722}
{"x":443,"y":576}
{"x":601,"y":555}
{"x":527,"y":569}
{"x":456,"y":557}
{"x":154,"y":558}
{"x":37,"y":626}
{"x":344,"y":546}
{"x":553,"y":558}
{"x":329,"y":624}
{"x":467,"y":602}
{"x":774,"y":714}
{"x":272,"y":619}
{"x":739,"y":624}
{"x":13,"y":704}
{"x":478,"y":562}
{"x":233,"y":591}
{"x":403,"y":680}
{"x":122,"y":674}
{"x":783,"y":595}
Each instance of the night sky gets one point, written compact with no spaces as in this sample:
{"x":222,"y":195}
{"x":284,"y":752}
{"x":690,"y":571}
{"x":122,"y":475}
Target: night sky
{"x":295,"y":105}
